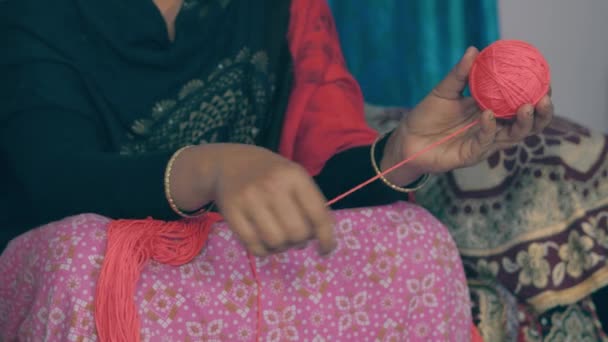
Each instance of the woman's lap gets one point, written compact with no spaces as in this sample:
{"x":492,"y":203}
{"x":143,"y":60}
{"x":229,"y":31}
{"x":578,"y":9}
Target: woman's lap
{"x":395,"y":273}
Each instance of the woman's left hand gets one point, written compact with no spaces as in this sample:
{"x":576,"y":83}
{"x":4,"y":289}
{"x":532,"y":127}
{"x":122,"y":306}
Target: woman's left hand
{"x":444,"y":111}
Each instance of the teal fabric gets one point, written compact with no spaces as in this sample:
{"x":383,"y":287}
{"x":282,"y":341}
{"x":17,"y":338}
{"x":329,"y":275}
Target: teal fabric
{"x":399,"y":49}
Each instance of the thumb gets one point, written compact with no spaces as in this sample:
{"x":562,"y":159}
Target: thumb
{"x":456,"y":81}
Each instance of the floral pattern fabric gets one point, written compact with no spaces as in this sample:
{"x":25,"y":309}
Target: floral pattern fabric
{"x":395,"y":276}
{"x":500,"y":317}
{"x":532,"y":226}
{"x":574,"y":322}
{"x":535,"y":216}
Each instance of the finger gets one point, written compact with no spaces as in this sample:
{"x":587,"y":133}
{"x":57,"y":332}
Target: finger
{"x":544,"y":114}
{"x":302,"y":246}
{"x":483,"y":139}
{"x":292,"y":220}
{"x":245,"y":233}
{"x":469,"y":102}
{"x":469,"y":106}
{"x":520,"y":129}
{"x":267,"y":227}
{"x":456,"y":81}
{"x":317,"y":213}
{"x":550,"y":92}
{"x":487,"y":132}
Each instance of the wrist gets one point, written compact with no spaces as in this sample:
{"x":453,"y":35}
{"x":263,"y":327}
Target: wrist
{"x":192,"y":179}
{"x":392,"y":154}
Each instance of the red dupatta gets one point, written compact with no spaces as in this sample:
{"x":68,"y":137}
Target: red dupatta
{"x":325,"y":113}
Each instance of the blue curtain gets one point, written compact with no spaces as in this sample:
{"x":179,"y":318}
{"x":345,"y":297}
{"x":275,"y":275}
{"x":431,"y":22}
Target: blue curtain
{"x":399,"y":49}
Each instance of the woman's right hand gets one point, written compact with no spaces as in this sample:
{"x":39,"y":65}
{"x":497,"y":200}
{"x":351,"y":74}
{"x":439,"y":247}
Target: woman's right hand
{"x":269,"y":202}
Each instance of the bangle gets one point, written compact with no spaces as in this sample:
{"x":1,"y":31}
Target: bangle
{"x":172,"y":204}
{"x":417,"y":185}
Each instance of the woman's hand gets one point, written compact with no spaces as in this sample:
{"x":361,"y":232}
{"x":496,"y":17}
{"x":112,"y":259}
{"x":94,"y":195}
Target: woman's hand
{"x":444,"y":111}
{"x":269,"y":202}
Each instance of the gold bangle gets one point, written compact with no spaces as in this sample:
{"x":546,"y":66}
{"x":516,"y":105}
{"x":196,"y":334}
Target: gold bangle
{"x":417,"y":185}
{"x":172,"y":204}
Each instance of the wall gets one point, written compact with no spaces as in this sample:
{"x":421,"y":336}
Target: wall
{"x":573,"y":35}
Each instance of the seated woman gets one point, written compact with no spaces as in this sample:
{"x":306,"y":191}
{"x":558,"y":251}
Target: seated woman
{"x":161,"y":108}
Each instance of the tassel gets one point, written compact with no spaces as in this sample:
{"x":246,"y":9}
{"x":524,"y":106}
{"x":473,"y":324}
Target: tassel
{"x":130,"y":245}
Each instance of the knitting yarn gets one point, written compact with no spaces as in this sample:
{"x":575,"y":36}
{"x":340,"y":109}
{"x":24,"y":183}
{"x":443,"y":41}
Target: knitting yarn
{"x":507,"y":75}
{"x":131,"y":245}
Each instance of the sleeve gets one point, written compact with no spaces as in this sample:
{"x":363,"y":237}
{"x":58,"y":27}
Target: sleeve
{"x":349,"y":168}
{"x":325,"y":128}
{"x":56,"y":148}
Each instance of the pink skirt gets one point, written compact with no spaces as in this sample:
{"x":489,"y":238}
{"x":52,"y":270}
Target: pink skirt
{"x":395,"y":276}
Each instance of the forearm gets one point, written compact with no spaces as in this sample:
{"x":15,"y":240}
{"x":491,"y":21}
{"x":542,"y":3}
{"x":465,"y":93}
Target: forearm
{"x":106,"y":184}
{"x":62,"y":168}
{"x":389,"y":153}
{"x":351,"y":168}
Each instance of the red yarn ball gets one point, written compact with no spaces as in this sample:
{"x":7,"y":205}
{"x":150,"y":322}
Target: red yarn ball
{"x":507,"y":75}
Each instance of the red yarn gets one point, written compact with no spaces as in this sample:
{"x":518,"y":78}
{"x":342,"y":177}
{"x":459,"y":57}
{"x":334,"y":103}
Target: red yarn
{"x":507,"y":75}
{"x":131,"y":243}
{"x":258,"y":284}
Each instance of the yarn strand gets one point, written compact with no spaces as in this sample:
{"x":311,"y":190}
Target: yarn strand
{"x":258,"y":284}
{"x":400,"y":164}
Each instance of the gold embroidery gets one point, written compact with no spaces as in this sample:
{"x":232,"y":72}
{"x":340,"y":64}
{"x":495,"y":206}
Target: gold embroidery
{"x":229,"y":105}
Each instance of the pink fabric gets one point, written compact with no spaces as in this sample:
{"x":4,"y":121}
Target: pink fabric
{"x":396,"y":276}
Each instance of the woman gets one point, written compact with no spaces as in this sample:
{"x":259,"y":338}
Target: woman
{"x":274,"y":127}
